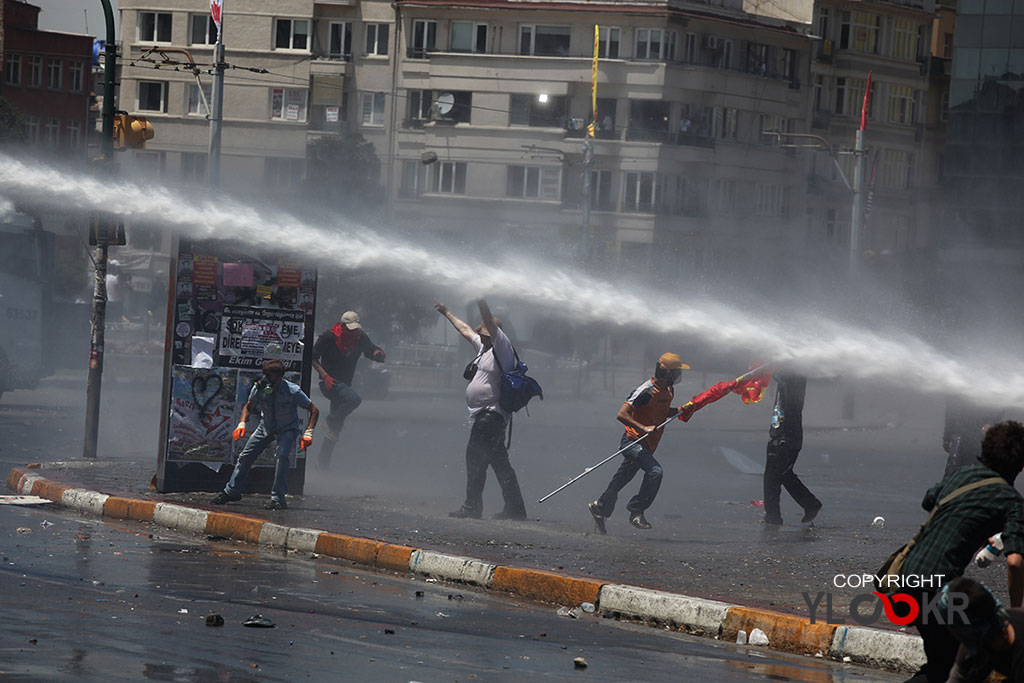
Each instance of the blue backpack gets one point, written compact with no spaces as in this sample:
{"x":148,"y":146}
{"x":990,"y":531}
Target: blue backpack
{"x":517,"y":388}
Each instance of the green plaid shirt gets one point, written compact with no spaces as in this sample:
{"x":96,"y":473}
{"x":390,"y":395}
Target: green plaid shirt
{"x":964,"y":524}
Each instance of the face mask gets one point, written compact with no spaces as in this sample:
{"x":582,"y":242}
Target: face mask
{"x":666,"y":375}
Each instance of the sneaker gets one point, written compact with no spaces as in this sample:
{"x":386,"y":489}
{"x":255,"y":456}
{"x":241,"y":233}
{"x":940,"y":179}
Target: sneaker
{"x":277,"y":504}
{"x":598,"y":514}
{"x":810,"y":513}
{"x":224,"y":497}
{"x":639,"y":521}
{"x":463,"y":513}
{"x":515,"y":516}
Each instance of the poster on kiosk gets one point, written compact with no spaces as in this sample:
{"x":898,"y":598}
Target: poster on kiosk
{"x":231,"y":309}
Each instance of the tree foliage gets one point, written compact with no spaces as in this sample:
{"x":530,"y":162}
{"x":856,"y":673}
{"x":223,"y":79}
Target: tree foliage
{"x":344,"y":171}
{"x":12,"y":124}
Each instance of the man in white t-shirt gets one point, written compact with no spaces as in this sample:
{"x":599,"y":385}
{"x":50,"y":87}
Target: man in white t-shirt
{"x":486,"y":445}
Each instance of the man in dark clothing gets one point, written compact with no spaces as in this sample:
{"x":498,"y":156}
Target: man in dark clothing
{"x":335,"y":355}
{"x":963,"y":431}
{"x":947,"y":543}
{"x":785,"y":439}
{"x":991,"y":637}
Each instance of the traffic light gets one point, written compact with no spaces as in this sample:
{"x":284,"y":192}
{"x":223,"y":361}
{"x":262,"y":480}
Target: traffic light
{"x":131,"y":131}
{"x":106,"y":228}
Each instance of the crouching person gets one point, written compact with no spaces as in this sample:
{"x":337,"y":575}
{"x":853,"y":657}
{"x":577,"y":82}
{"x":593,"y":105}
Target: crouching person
{"x":278,"y":401}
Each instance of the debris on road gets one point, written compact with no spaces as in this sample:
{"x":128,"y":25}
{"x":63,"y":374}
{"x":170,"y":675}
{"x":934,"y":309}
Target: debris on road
{"x":758,"y":637}
{"x":580,"y":663}
{"x":588,"y":607}
{"x":23,"y":530}
{"x":214,"y":620}
{"x":443,"y":615}
{"x":878,"y":522}
{"x":22,"y":500}
{"x":741,"y":637}
{"x":258,"y":621}
{"x":457,"y":596}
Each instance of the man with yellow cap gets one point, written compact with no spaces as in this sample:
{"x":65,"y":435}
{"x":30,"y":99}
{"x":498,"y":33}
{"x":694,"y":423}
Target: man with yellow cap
{"x":648,"y":406}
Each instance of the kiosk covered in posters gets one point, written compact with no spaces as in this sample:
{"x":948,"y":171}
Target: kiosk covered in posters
{"x":230,"y":309}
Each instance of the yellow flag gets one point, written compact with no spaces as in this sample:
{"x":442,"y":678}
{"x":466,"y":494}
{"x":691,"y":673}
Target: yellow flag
{"x":593,"y":84}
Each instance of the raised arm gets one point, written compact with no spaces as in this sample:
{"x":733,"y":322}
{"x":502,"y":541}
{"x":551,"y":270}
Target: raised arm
{"x":460,"y":325}
{"x":488,"y":319}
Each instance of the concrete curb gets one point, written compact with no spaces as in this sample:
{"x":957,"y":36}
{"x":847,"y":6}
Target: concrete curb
{"x":786,"y":632}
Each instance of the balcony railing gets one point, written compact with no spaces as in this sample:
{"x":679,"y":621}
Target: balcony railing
{"x":601,"y":132}
{"x":694,"y":140}
{"x":641,"y":134}
{"x":333,"y":57}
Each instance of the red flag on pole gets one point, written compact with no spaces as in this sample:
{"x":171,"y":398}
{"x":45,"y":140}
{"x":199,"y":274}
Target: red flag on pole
{"x":864,"y":107}
{"x":216,"y":8}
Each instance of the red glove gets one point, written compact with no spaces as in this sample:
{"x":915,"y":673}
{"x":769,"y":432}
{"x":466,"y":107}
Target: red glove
{"x":379,"y":355}
{"x":687,"y":411}
{"x":239,"y":431}
{"x":328,"y":381}
{"x":307,"y":439}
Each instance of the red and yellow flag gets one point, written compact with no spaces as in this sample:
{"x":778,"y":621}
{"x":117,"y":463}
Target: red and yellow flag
{"x":593,"y":83}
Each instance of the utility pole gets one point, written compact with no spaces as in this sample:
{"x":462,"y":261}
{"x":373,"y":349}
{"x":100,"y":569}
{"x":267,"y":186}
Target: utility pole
{"x":857,"y":217}
{"x":217,"y":114}
{"x":588,"y":160}
{"x":97,"y":324}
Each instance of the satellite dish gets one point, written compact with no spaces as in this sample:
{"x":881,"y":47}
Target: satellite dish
{"x":445,"y":102}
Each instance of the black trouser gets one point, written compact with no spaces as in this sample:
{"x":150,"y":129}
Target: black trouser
{"x":487,"y":447}
{"x":634,"y":459}
{"x":939,"y":644}
{"x":778,"y":472}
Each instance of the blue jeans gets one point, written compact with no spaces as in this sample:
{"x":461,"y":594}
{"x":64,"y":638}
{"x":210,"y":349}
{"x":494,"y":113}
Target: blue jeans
{"x":344,"y":400}
{"x":256,"y":444}
{"x":637,"y":458}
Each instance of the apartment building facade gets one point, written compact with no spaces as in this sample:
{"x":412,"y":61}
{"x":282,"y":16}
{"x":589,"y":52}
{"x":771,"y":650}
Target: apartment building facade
{"x":891,"y":40}
{"x":497,"y":96}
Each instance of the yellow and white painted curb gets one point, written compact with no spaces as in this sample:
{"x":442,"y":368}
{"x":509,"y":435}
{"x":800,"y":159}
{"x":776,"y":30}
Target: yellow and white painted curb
{"x":786,"y":632}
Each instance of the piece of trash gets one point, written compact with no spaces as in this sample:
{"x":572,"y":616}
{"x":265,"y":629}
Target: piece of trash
{"x":23,"y":530}
{"x":562,"y":611}
{"x":588,"y":607}
{"x":389,"y":631}
{"x":258,"y":621}
{"x":419,"y":594}
{"x":45,"y":523}
{"x":183,"y":611}
{"x":83,"y":535}
{"x":878,"y":522}
{"x":457,"y":596}
{"x":214,"y":620}
{"x":443,"y":615}
{"x":757,"y":503}
{"x":758,"y":637}
{"x":847,"y":659}
{"x":32,"y":641}
{"x":431,"y":580}
{"x":819,"y":654}
{"x":741,"y":637}
{"x":97,"y":582}
{"x":579,"y":663}
{"x":24,"y":500}
{"x":331,"y":572}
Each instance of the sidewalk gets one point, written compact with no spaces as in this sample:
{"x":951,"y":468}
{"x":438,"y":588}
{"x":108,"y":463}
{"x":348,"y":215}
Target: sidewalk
{"x":300,"y":533}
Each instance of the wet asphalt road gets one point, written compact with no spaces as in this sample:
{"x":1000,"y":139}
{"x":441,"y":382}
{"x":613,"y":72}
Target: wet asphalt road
{"x":399,"y":470}
{"x":88,"y":600}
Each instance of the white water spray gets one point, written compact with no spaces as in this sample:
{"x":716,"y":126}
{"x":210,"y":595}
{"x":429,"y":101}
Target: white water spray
{"x":817,"y":345}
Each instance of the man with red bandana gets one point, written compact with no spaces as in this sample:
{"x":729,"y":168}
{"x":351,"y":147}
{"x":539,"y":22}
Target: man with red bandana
{"x":335,"y":355}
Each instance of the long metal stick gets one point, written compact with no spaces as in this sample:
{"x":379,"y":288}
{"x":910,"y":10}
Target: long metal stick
{"x":742,"y":378}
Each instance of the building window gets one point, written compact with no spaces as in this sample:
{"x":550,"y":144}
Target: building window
{"x":896,"y":167}
{"x":769,"y":200}
{"x":904,"y":38}
{"x":12,"y":70}
{"x":718,"y":52}
{"x":283,"y":172}
{"x":414,"y":179}
{"x":902,"y":104}
{"x":461,"y":106}
{"x":639,"y":193}
{"x":819,"y":92}
{"x":288,"y":104}
{"x":52,"y":132}
{"x":74,"y":132}
{"x":723,"y":123}
{"x":291,"y":34}
{"x":154,"y":27}
{"x":654,"y":43}
{"x":35,"y":72}
{"x":947,"y":45}
{"x":55,"y":74}
{"x":339,"y":44}
{"x":544,"y":41}
{"x":850,"y":96}
{"x":377,"y":39}
{"x":152,"y":96}
{"x":823,"y":23}
{"x":373,"y":109}
{"x":32,"y":129}
{"x":544,"y":111}
{"x":420,"y":104}
{"x":195,"y":104}
{"x":723,"y":195}
{"x":203,"y":30}
{"x":771,"y":124}
{"x":76,"y":73}
{"x":424,"y":38}
{"x":468,"y":37}
{"x":534,"y":182}
{"x":193,"y":166}
{"x":690,"y":56}
{"x":450,"y":177}
{"x":608,"y":42}
{"x":601,"y":191}
{"x":859,"y":31}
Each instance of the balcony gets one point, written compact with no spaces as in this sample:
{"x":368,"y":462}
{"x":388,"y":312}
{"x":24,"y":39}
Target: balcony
{"x":577,"y":128}
{"x":640,"y":134}
{"x":322,"y":65}
{"x":693,"y":140}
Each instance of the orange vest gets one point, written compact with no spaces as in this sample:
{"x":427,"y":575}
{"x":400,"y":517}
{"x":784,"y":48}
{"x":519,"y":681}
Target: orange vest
{"x":651,"y":406}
